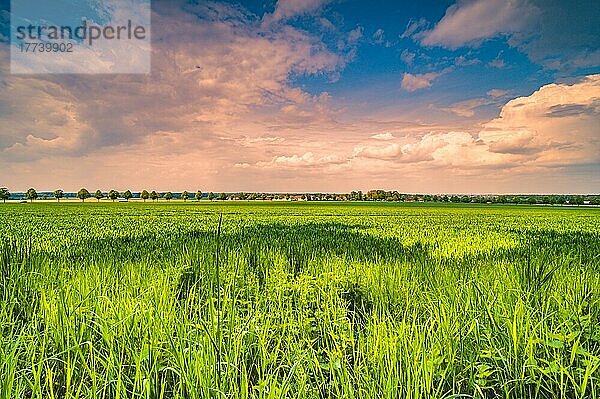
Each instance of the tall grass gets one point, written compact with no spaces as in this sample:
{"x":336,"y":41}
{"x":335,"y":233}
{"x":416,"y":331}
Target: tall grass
{"x":298,"y":301}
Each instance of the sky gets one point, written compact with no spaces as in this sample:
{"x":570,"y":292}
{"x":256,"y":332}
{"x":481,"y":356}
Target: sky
{"x":474,"y":96}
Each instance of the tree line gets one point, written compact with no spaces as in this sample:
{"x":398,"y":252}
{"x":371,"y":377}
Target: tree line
{"x":373,"y":195}
{"x":83,"y":194}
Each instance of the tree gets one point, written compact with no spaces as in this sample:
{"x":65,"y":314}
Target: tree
{"x":154,"y":196}
{"x":185,"y":195}
{"x":127,"y":195}
{"x":145,"y":195}
{"x":98,"y":195}
{"x":222,"y":196}
{"x":58,"y":194}
{"x":168,"y":196}
{"x":83,"y":194}
{"x":577,"y":200}
{"x":113,"y":195}
{"x":31,"y":194}
{"x":211,"y":196}
{"x":198,"y":195}
{"x":4,"y":194}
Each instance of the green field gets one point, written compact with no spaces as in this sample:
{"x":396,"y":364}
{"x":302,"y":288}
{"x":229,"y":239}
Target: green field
{"x":299,"y":300}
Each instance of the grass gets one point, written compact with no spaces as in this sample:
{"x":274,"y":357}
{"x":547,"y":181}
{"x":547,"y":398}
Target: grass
{"x":305,"y":300}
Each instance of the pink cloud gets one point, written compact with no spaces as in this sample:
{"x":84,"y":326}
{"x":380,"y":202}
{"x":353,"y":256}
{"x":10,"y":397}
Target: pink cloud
{"x":416,"y":82}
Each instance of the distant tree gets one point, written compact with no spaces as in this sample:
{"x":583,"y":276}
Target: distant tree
{"x":113,"y":195}
{"x":560,"y":199}
{"x":531,"y":201}
{"x":31,"y":194}
{"x":154,"y":196}
{"x":198,"y":195}
{"x":58,"y":194}
{"x":44,"y":196}
{"x":185,"y":195}
{"x":98,"y":195}
{"x":127,"y":195}
{"x":577,"y":200}
{"x":145,"y":195}
{"x":222,"y":196}
{"x":4,"y":194}
{"x":168,"y":196}
{"x":211,"y":196}
{"x":83,"y":194}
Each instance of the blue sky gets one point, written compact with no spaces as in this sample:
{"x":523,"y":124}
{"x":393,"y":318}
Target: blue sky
{"x":324,"y":95}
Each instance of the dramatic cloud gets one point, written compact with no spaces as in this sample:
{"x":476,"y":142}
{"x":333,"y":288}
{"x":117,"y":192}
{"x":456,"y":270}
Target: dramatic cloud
{"x":555,"y":127}
{"x":203,"y":85}
{"x":234,"y":103}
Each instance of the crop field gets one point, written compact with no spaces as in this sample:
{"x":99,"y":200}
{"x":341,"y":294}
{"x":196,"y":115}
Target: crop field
{"x":299,"y":300}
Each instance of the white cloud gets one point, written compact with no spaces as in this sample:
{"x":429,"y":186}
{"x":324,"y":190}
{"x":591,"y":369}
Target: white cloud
{"x":416,"y":82}
{"x":468,"y":22}
{"x":556,"y":125}
{"x":407,"y":56}
{"x":383,"y":136}
{"x":467,"y":108}
{"x":497,"y":93}
{"x":286,"y":9}
{"x":355,"y":35}
{"x":379,"y":36}
{"x":414,"y":27}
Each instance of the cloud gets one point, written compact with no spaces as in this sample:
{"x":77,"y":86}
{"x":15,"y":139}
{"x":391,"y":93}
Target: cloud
{"x":355,"y":35}
{"x":414,"y":27}
{"x":204,"y":84}
{"x":468,"y":22}
{"x":554,"y":127}
{"x":556,"y":34}
{"x":464,"y":61}
{"x":286,"y":9}
{"x":379,"y":35}
{"x":497,"y":62}
{"x":407,"y":56}
{"x":383,"y":136}
{"x":497,"y":93}
{"x":467,"y":108}
{"x":416,"y":82}
{"x":308,"y":159}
